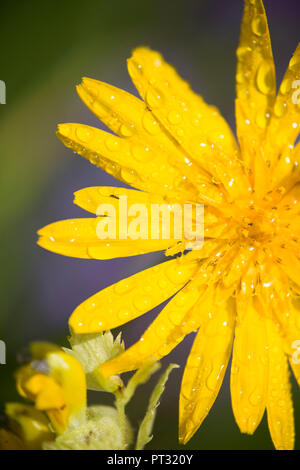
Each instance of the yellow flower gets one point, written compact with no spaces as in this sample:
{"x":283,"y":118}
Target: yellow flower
{"x":55,"y":382}
{"x":10,"y":441}
{"x":28,"y":428}
{"x":240,"y":290}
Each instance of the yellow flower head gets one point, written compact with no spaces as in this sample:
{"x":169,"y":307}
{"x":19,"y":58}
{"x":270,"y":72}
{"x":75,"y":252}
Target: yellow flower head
{"x":55,"y":382}
{"x":240,"y":290}
{"x":28,"y":428}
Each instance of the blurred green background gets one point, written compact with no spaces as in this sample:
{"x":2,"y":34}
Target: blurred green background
{"x":46,"y":47}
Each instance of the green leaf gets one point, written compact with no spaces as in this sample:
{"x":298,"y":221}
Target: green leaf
{"x":100,"y":432}
{"x":124,"y":395}
{"x":144,"y":433}
{"x":94,"y":349}
{"x":141,"y":376}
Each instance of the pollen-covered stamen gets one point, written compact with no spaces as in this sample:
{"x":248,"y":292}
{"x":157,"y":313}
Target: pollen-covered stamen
{"x":260,"y":227}
{"x":267,"y":220}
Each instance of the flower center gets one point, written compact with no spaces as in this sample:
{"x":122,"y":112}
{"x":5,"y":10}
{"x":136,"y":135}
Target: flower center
{"x":261,"y":227}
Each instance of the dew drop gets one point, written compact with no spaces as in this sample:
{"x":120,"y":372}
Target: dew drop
{"x":123,"y":288}
{"x":84,"y":134}
{"x":175,"y":317}
{"x":211,"y":381}
{"x":285,"y":86}
{"x":174,"y":273}
{"x":280,"y":108}
{"x":240,"y":77}
{"x":162,"y":283}
{"x":123,"y":313}
{"x":95,"y":325}
{"x":262,"y":119}
{"x":112,"y":143}
{"x":150,"y":124}
{"x":174,"y":117}
{"x":265,"y":77}
{"x":259,"y":25}
{"x":295,"y":61}
{"x":153,"y":98}
{"x":140,"y":153}
{"x":243,"y":52}
{"x":255,"y":398}
{"x":126,"y":131}
{"x":111,"y":168}
{"x":96,"y":160}
{"x":128,"y":175}
{"x":142,"y":303}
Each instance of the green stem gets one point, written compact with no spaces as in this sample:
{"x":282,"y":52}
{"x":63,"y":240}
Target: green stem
{"x":120,"y":406}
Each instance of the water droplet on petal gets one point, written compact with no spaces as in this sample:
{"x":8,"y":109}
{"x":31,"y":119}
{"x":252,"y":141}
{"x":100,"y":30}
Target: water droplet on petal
{"x":174,"y":117}
{"x":240,"y":77}
{"x":128,"y":175}
{"x":295,"y":61}
{"x":262,"y":119}
{"x":140,"y":153}
{"x":142,"y":303}
{"x":153,"y":98}
{"x":243,"y":51}
{"x":126,"y":131}
{"x":265,"y":77}
{"x":280,"y":108}
{"x":150,"y":124}
{"x":285,"y":86}
{"x":259,"y":25}
{"x":112,"y":143}
{"x":111,"y":168}
{"x":84,"y":134}
{"x":123,"y":287}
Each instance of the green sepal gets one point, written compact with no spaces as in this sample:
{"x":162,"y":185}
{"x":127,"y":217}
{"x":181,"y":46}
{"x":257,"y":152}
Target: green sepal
{"x":94,"y":349}
{"x":144,"y":434}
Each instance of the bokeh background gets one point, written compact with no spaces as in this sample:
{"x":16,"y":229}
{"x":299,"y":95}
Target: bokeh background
{"x":46,"y":47}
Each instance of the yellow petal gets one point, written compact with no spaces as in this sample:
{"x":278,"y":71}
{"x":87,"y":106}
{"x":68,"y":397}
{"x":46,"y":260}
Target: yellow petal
{"x":279,"y":400}
{"x":197,"y":127}
{"x":182,"y":112}
{"x":255,"y":79}
{"x":48,"y":394}
{"x":56,"y":382}
{"x":133,"y":212}
{"x":285,"y":121}
{"x":10,"y":441}
{"x":122,"y":112}
{"x":204,"y":371}
{"x":249,"y":370}
{"x":182,"y":315}
{"x":69,"y":374}
{"x":236,"y":264}
{"x":89,"y":199}
{"x":290,"y":263}
{"x":149,"y":143}
{"x":132,"y":297}
{"x":138,"y":166}
{"x":295,"y":364}
{"x":79,"y":238}
{"x":286,"y":173}
{"x":30,"y":424}
{"x":288,"y":316}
